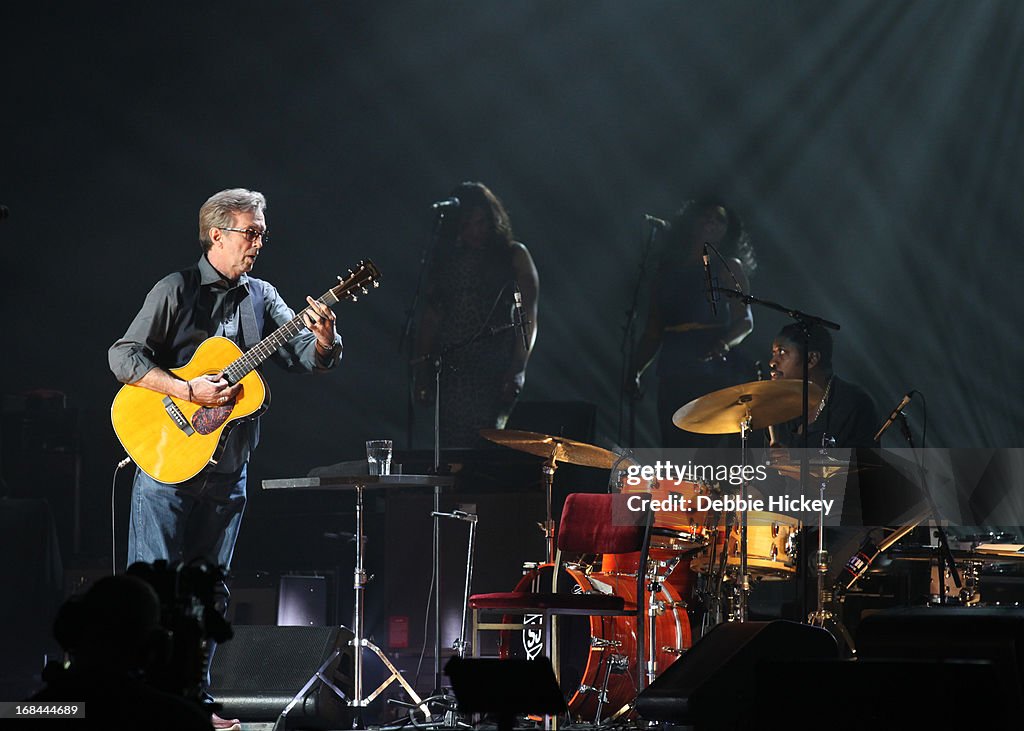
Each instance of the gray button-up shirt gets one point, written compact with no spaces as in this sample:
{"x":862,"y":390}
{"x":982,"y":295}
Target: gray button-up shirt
{"x":184,"y":309}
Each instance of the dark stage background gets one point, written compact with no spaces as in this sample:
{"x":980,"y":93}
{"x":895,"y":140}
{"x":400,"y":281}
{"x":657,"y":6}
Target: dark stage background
{"x":874,"y":149}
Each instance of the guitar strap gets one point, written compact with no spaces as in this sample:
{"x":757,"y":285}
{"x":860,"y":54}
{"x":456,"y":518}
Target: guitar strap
{"x":250,"y":313}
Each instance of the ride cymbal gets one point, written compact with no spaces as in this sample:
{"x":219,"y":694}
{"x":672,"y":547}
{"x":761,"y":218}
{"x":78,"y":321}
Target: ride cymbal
{"x":766,"y":402}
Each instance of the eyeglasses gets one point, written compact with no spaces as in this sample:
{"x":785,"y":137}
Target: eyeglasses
{"x":251,"y":234}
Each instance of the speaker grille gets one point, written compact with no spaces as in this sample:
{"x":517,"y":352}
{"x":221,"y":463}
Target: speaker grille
{"x":257,"y":673}
{"x":271,"y":658}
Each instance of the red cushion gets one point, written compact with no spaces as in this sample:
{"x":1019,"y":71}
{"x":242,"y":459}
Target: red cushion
{"x":587,"y":526}
{"x":528,"y":600}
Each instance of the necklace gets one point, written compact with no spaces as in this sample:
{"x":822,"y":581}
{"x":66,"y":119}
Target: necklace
{"x":824,"y":398}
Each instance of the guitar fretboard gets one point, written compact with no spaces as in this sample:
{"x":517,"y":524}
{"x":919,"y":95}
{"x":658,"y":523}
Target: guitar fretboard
{"x":366,"y":273}
{"x":255,"y":356}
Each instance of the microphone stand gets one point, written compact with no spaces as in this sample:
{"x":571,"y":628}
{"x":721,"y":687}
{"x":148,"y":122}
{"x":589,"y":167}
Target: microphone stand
{"x":628,"y":342}
{"x":437,"y":359}
{"x":409,"y":330}
{"x":805,"y":320}
{"x":943,"y":553}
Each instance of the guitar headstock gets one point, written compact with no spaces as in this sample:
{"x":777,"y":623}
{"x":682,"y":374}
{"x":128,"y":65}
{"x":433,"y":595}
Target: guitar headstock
{"x":366,"y":274}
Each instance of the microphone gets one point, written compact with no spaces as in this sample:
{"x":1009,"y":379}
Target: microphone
{"x":894,"y":415}
{"x":452,"y":202}
{"x":655,"y":221}
{"x":708,"y":281}
{"x":518,"y":295}
{"x":857,"y":565}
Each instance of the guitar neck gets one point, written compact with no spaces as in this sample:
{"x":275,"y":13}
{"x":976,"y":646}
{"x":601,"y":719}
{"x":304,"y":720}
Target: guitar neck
{"x":255,"y":356}
{"x":366,"y":274}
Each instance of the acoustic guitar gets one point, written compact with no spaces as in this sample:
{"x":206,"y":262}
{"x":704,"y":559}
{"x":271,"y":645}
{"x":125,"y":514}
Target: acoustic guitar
{"x":172,"y":440}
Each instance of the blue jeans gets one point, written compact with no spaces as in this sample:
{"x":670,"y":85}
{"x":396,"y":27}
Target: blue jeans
{"x":197,"y":519}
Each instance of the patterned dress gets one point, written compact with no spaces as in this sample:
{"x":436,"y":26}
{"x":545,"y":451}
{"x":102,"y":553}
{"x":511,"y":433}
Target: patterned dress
{"x":472,"y":290}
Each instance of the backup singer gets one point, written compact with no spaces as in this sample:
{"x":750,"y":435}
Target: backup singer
{"x":694,"y":343}
{"x":471,"y":288}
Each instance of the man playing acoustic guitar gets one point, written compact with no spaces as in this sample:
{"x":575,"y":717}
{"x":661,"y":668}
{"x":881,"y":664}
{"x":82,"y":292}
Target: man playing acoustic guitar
{"x":199,"y":517}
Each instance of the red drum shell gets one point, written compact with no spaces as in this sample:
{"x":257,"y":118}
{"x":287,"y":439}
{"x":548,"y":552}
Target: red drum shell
{"x":682,"y":529}
{"x":587,"y":642}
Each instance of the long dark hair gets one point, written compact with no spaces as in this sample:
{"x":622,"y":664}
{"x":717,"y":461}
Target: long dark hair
{"x":473,"y":194}
{"x":735,"y":243}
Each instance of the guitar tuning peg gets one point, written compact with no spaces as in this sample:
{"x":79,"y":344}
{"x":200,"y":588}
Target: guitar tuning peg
{"x":376,"y":283}
{"x":354,"y":298}
{"x":340,"y":278}
{"x":365,"y":290}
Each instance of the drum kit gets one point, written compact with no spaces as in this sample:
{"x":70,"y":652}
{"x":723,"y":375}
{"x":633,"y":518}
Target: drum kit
{"x":700,"y":562}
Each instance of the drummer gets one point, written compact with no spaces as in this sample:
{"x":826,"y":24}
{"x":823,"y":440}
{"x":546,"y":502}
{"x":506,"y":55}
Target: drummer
{"x":845,"y":417}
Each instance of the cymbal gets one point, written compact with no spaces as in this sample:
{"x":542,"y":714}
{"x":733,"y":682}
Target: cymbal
{"x":767,"y":403}
{"x":822,"y":468}
{"x":558,"y":448}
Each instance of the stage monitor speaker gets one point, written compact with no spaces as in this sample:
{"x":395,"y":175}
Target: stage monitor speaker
{"x":505,"y":687}
{"x":852,"y":695}
{"x":714,"y":685}
{"x":980,"y":634}
{"x":258,"y":672}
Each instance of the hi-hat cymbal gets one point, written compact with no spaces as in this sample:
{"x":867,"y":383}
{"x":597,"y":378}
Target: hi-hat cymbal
{"x":767,"y":403}
{"x":558,"y":448}
{"x":822,"y":468}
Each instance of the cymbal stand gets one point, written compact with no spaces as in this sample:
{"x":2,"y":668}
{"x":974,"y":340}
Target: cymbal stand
{"x":548,"y":527}
{"x":743,"y":580}
{"x":823,"y":616}
{"x":714,"y":592}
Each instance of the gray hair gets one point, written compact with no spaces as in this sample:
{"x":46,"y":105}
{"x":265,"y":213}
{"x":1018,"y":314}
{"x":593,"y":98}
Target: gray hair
{"x":220,"y":208}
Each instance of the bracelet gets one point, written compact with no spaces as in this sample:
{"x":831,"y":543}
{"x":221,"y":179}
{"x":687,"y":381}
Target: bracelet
{"x":189,"y":384}
{"x":327,"y":348}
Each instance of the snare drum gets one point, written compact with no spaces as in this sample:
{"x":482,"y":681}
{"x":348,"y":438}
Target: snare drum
{"x":600,"y":649}
{"x":772,"y":541}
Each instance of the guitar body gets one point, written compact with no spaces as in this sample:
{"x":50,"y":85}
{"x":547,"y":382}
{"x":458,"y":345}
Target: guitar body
{"x":173,"y":440}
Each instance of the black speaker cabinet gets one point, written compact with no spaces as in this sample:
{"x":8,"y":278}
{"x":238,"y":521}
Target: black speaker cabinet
{"x":714,"y":685}
{"x":258,"y":672}
{"x":992,"y":635}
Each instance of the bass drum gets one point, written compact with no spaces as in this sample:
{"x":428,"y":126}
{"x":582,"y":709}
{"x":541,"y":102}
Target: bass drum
{"x":596,"y":650}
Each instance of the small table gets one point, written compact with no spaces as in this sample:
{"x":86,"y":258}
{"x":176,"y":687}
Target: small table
{"x":358,"y":484}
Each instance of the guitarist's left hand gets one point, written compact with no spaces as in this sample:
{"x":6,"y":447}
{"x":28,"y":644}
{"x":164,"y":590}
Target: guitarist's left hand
{"x":320,"y":321}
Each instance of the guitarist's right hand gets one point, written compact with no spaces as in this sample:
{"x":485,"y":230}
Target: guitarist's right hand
{"x":213,"y":390}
